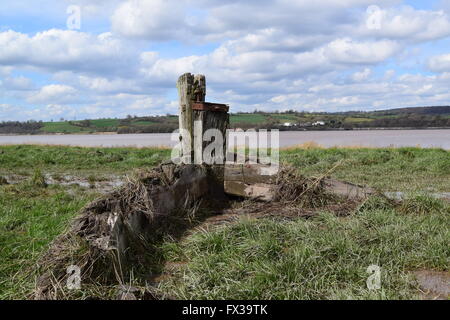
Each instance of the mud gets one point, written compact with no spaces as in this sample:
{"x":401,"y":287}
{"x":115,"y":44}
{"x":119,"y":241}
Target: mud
{"x":433,"y":285}
{"x":3,"y":181}
{"x":107,"y":183}
{"x":275,"y":210}
{"x":445,"y":196}
{"x":102,"y":185}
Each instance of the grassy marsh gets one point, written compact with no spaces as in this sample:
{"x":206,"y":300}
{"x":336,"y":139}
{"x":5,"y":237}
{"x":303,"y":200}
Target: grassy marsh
{"x":324,"y":257}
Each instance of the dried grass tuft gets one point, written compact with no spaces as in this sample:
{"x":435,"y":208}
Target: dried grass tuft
{"x":87,"y":243}
{"x":293,"y":188}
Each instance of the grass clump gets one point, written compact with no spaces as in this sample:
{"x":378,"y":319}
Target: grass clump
{"x":423,"y":204}
{"x":388,"y":169}
{"x":38,"y":179}
{"x":325,"y":257}
{"x":376,"y":202}
{"x":30,"y":218}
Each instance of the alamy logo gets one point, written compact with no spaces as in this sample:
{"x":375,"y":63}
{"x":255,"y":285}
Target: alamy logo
{"x":249,"y":146}
{"x":374,"y":280}
{"x":74,"y":20}
{"x":374,"y":16}
{"x":74,"y":277}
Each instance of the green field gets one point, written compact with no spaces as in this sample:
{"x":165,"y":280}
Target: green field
{"x":104,"y":123}
{"x":143,"y":123}
{"x":247,"y":118}
{"x":71,"y":127}
{"x":61,"y":127}
{"x":354,"y":119}
{"x":324,"y":257}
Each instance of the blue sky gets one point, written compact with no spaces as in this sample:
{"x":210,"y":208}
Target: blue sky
{"x":331,"y":55}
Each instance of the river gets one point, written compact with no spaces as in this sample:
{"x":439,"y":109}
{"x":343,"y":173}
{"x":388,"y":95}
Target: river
{"x":366,"y":138}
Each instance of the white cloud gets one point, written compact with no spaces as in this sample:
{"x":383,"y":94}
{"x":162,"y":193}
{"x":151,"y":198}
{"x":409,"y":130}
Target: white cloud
{"x":17,"y":83}
{"x":149,"y":105}
{"x":348,"y":51}
{"x":440,"y":63}
{"x":389,"y":74}
{"x":275,"y":40}
{"x":66,"y":50}
{"x":53,"y":110}
{"x":4,"y":107}
{"x":54,"y":93}
{"x":362,"y":75}
{"x":10,"y":112}
{"x":156,"y":19}
{"x":200,"y":20}
{"x":243,"y":69}
{"x":407,"y":23}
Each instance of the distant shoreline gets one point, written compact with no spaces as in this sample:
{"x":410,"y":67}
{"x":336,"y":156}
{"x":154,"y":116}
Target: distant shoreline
{"x":301,"y":130}
{"x":60,"y":134}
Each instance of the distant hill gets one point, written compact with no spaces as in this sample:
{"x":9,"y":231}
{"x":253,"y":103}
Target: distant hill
{"x":441,"y":110}
{"x":417,"y":117}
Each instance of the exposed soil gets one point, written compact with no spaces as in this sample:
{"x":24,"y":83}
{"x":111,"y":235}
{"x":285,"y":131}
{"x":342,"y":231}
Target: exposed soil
{"x":445,"y":196}
{"x":102,"y":185}
{"x":3,"y":181}
{"x":276,"y":210}
{"x":434,"y":285}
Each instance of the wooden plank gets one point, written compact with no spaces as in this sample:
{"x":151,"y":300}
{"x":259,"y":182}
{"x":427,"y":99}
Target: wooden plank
{"x":251,"y":173}
{"x":261,"y":191}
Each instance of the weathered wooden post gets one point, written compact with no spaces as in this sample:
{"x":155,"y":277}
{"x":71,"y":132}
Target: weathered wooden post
{"x":252,"y":180}
{"x":196,"y":117}
{"x":185,"y":86}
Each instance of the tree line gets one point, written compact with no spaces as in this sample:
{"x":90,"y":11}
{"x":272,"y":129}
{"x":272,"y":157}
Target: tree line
{"x":28,"y":127}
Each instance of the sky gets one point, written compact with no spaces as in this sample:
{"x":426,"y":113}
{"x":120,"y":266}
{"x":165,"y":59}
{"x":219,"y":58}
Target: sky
{"x":82,"y":59}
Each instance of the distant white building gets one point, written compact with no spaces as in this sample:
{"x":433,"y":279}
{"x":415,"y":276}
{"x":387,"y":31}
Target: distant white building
{"x":287,"y":124}
{"x":318,"y":123}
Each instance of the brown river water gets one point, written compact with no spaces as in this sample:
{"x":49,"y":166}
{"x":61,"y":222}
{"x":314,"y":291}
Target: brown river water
{"x":366,"y":138}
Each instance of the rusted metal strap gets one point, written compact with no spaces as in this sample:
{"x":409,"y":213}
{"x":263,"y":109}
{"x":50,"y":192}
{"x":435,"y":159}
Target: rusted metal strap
{"x":209,"y":106}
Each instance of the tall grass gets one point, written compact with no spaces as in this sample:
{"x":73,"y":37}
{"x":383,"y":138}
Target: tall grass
{"x":394,"y":169}
{"x":64,"y":158}
{"x":30,"y":218}
{"x":323,"y":258}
